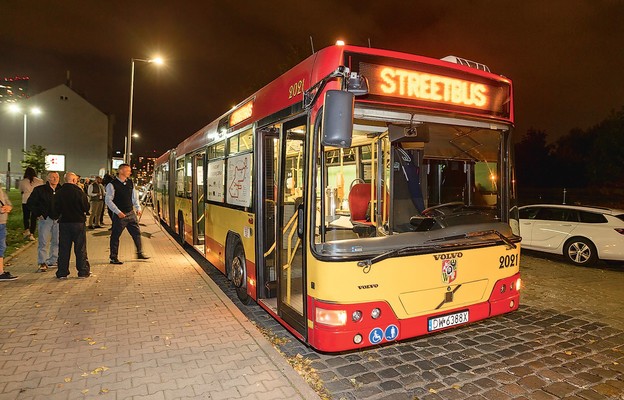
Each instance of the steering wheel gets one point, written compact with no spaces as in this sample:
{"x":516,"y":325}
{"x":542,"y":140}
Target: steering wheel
{"x":429,"y":211}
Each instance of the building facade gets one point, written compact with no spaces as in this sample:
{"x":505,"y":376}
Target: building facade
{"x":68,"y":125}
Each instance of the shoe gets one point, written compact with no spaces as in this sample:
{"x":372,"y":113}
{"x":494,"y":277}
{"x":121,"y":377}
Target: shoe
{"x":6,"y":276}
{"x":52,"y":265}
{"x":43,"y":268}
{"x":31,"y":238}
{"x":61,"y":278}
{"x":141,"y":256}
{"x":115,"y":261}
{"x":84,"y":276}
{"x":26,"y":234}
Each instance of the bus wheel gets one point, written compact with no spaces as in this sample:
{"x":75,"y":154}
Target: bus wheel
{"x":580,"y":251}
{"x":180,"y":228}
{"x":239,"y":276}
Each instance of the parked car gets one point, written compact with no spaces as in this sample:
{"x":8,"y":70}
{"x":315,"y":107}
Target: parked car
{"x":582,"y":234}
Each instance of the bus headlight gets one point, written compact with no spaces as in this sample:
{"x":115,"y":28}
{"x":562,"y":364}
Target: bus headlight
{"x":331,"y":317}
{"x":356,"y":316}
{"x":518,"y":284}
{"x":375,"y":313}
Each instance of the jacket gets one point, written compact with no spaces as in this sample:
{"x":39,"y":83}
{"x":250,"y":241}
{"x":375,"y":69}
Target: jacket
{"x":71,"y":204}
{"x":41,"y":201}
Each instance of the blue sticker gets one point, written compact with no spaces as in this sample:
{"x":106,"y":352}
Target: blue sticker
{"x":375,"y":336}
{"x":392,"y":332}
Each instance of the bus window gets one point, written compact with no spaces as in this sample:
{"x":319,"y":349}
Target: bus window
{"x":188,"y":177}
{"x":216,"y":150}
{"x":450,"y":166}
{"x":180,"y":177}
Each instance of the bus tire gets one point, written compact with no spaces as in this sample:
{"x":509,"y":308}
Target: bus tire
{"x":580,"y":251}
{"x":239,"y":273}
{"x":180,"y":228}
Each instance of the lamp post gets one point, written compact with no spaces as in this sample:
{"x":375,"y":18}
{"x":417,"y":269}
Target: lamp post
{"x":14,"y":108}
{"x":156,"y":60}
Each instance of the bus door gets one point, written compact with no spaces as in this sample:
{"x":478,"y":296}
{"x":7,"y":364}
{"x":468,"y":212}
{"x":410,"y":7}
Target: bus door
{"x":198,"y":202}
{"x":291,"y":293}
{"x":267,"y":158}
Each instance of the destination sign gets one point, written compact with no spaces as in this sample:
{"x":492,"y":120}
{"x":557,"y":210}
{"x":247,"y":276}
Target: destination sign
{"x":241,"y":113}
{"x":431,"y":87}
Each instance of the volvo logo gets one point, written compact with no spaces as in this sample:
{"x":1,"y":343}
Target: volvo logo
{"x":448,"y":256}
{"x":372,"y":286}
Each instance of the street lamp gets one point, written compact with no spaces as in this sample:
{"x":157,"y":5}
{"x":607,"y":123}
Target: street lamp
{"x":126,"y":151}
{"x":16,"y":109}
{"x":158,"y":61}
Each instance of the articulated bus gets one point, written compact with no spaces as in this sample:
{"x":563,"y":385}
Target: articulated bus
{"x":363,"y":197}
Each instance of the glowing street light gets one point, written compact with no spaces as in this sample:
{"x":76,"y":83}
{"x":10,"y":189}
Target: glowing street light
{"x":16,"y":109}
{"x":157,"y":61}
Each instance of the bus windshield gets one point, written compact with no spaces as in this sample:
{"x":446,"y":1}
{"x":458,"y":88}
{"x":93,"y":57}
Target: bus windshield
{"x":411,"y":180}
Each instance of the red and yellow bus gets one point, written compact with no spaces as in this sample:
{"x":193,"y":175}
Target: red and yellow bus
{"x":363,"y":197}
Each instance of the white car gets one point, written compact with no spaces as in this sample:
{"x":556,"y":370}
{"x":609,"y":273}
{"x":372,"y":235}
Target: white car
{"x":582,"y":234}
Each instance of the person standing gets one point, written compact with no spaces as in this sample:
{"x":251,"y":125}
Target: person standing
{"x":96,"y":197}
{"x":71,"y":204}
{"x":5,"y":209}
{"x":122,"y":200}
{"x":108,"y":178}
{"x":26,"y":186}
{"x":41,"y":204}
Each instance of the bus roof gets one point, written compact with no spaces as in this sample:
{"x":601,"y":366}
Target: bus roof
{"x":286,"y":92}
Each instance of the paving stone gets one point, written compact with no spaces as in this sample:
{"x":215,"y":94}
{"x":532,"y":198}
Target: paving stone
{"x":149,"y":340}
{"x":560,"y":389}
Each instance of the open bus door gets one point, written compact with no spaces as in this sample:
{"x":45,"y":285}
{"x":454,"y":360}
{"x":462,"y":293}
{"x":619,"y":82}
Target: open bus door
{"x":291,"y":292}
{"x":281,"y":274}
{"x":198,"y":202}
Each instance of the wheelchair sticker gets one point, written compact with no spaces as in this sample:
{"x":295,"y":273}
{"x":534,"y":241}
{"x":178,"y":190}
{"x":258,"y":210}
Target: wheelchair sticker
{"x":376,"y":335}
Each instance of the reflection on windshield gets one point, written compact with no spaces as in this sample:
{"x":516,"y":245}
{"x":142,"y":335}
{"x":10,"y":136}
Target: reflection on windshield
{"x":409,"y":178}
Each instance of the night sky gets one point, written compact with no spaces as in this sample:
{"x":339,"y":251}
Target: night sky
{"x":565,"y":57}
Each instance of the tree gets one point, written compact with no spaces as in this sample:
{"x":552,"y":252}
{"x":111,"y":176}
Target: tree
{"x":534,"y":160}
{"x":607,"y":153}
{"x":35,"y":158}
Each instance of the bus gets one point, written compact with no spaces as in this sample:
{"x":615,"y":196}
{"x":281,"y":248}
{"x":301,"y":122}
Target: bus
{"x":365,"y":196}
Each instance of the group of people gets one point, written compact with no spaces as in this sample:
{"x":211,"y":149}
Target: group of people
{"x":60,"y":214}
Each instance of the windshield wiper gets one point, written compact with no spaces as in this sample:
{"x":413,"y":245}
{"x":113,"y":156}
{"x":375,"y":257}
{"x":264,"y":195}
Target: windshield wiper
{"x":502,"y":237}
{"x":367,"y":264}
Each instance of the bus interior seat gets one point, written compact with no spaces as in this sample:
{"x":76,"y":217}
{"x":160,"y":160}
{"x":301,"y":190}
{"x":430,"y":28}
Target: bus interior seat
{"x":359,"y":200}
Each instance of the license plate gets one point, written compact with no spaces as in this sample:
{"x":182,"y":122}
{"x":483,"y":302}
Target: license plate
{"x":445,"y":321}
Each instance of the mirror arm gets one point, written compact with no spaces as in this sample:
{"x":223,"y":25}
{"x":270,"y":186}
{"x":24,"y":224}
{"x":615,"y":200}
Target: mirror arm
{"x":311,"y":95}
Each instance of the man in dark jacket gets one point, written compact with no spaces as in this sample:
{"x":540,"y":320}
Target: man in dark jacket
{"x":72,"y":204}
{"x":40,"y":204}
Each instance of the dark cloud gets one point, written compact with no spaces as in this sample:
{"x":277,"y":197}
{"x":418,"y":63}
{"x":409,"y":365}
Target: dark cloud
{"x":564,"y":55}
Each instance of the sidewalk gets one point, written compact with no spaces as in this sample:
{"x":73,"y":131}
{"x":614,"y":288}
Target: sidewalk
{"x":155,"y":329}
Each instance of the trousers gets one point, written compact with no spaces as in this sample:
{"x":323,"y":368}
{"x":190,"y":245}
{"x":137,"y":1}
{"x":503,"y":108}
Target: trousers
{"x":48,"y":248}
{"x":72,"y":233}
{"x":130,"y":222}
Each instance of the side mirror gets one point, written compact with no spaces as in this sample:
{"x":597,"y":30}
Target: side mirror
{"x":338,"y":118}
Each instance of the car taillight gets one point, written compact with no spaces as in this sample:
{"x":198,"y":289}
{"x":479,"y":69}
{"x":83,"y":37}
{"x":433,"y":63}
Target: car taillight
{"x":620,"y":231}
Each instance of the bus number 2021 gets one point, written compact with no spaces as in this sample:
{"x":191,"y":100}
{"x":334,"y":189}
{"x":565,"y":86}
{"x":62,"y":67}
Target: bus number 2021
{"x":508,"y":261}
{"x":296,"y":89}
